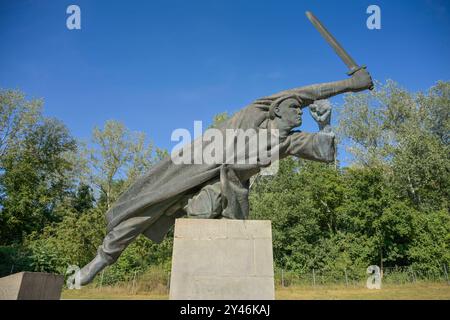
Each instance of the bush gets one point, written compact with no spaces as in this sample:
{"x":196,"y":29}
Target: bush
{"x":14,"y":259}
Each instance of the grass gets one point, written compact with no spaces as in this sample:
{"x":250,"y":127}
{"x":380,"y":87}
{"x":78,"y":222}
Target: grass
{"x":117,"y":292}
{"x":93,"y":294}
{"x":412,"y":291}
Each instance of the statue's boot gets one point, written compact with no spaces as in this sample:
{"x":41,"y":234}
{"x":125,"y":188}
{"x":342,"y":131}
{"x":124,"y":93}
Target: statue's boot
{"x":89,"y":271}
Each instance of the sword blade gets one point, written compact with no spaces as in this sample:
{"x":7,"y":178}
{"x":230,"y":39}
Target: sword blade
{"x":346,"y":58}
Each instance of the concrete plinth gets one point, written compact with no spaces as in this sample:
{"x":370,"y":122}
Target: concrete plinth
{"x":222,"y":259}
{"x":31,"y":286}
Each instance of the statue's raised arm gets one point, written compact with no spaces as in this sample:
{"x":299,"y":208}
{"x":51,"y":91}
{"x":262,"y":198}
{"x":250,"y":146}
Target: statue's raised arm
{"x":360,"y":80}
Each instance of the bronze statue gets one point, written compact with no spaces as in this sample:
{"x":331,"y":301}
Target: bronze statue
{"x":220,"y":190}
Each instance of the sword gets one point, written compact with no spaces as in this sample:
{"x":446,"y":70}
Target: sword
{"x":345,"y":57}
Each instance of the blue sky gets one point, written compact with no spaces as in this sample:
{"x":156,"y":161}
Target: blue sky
{"x":160,"y":65}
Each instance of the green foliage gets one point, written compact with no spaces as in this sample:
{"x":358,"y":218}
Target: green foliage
{"x":35,"y":180}
{"x":119,"y":155}
{"x":421,"y":169}
{"x":334,"y":220}
{"x":430,"y":247}
{"x":389,"y":208}
{"x":14,"y":258}
{"x":17,"y":117}
{"x":73,"y":241}
{"x":83,"y":199}
{"x":138,"y":258}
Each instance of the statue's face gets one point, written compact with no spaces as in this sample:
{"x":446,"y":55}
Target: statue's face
{"x":290,"y":113}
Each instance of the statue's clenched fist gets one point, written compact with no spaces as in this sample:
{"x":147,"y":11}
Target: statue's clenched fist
{"x":321,"y":112}
{"x":362,"y":80}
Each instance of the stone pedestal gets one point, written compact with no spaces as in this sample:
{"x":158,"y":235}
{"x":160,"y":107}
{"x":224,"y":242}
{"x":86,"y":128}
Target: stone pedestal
{"x":222,"y":259}
{"x":31,"y":286}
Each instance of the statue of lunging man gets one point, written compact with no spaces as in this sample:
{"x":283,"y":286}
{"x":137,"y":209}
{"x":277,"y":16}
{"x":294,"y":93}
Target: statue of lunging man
{"x":220,"y":190}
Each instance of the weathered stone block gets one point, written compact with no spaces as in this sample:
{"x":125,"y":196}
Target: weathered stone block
{"x":31,"y":286}
{"x":222,"y":259}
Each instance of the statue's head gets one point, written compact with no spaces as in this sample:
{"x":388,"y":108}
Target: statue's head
{"x":287,"y":113}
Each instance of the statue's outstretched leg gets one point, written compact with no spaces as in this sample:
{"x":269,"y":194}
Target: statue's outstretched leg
{"x":113,"y":245}
{"x":206,"y":204}
{"x":89,"y":271}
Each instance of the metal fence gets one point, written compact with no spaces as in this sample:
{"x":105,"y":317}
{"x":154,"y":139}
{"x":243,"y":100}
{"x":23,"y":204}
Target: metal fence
{"x":389,"y":275}
{"x":153,"y":280}
{"x":159,"y":280}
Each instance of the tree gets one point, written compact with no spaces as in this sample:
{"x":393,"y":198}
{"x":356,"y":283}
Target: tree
{"x":402,"y":138}
{"x":219,"y":119}
{"x":119,"y":155}
{"x":35,"y":180}
{"x":17,"y":117}
{"x":83,"y":200}
{"x":301,"y":219}
{"x":436,"y":105}
{"x":73,"y":241}
{"x":421,"y":170}
{"x":370,"y":122}
{"x":119,"y":158}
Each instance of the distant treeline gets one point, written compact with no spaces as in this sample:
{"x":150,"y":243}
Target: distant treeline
{"x":388,"y":206}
